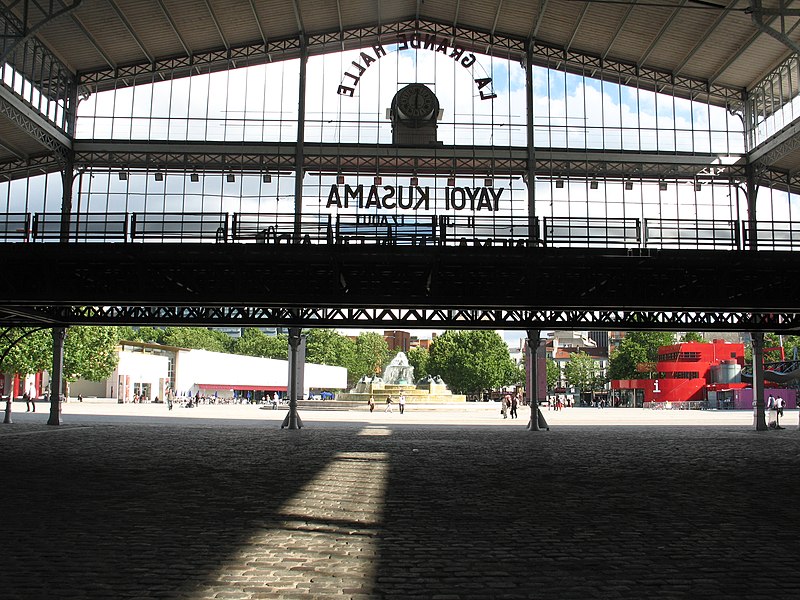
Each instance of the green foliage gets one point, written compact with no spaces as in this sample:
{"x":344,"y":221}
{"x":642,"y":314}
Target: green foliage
{"x":198,"y":338}
{"x":470,"y":361}
{"x":553,"y":373}
{"x":371,"y":355}
{"x":419,"y":359}
{"x":693,"y":336}
{"x":255,"y":342}
{"x":581,"y":371}
{"x":637,"y":347}
{"x":150,"y":334}
{"x":791,"y":348}
{"x":127,"y":333}
{"x":30,"y":354}
{"x":328,"y":347}
{"x":90,"y":353}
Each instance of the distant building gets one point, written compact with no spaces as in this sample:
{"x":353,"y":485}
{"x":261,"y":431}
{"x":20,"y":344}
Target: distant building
{"x":694,"y":375}
{"x":151,"y":370}
{"x":398,"y":341}
{"x":561,"y":345}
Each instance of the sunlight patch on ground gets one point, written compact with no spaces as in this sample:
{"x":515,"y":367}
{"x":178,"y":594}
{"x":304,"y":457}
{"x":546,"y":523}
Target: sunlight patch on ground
{"x":324,"y":538}
{"x":375,"y":430}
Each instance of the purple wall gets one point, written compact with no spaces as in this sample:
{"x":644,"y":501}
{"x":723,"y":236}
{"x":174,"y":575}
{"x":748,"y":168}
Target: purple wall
{"x":744,"y":398}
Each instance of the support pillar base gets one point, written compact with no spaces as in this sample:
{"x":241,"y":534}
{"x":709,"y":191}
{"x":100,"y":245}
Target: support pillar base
{"x":292,"y":421}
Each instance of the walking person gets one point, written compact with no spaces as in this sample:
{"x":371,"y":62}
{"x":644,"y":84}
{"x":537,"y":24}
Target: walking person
{"x":504,"y":407}
{"x":513,"y":407}
{"x":779,"y":404}
{"x":30,"y":399}
{"x":388,"y":404}
{"x":402,"y":403}
{"x":371,"y":403}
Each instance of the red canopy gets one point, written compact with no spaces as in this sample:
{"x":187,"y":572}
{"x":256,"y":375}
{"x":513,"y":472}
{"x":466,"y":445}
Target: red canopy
{"x":228,"y":386}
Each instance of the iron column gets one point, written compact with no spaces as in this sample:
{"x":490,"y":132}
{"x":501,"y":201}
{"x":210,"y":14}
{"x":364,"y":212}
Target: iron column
{"x":758,"y":380}
{"x":59,"y":334}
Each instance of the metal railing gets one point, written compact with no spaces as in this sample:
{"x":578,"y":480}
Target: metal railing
{"x":399,"y":230}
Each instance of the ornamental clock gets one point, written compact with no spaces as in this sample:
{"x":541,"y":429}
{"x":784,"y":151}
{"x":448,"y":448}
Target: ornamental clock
{"x":414,"y":112}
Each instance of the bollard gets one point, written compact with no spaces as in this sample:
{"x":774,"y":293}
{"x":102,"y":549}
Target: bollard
{"x":7,"y":418}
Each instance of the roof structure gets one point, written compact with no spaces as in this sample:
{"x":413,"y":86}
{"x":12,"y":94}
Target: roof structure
{"x":555,"y":269}
{"x":709,"y":48}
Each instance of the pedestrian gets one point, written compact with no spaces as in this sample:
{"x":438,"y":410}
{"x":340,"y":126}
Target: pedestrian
{"x":779,"y":404}
{"x":169,"y":401}
{"x":388,"y":404}
{"x":80,"y":398}
{"x":30,"y":399}
{"x":371,"y":403}
{"x":402,"y":403}
{"x":504,"y":408}
{"x":513,"y":407}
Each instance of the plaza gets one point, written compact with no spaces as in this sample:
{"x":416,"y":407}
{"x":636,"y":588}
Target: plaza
{"x":132,"y":501}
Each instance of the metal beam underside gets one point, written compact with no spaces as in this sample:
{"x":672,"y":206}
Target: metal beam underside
{"x":440,"y":160}
{"x":24,"y":117}
{"x":357,"y":286}
{"x":313,"y":317}
{"x":387,"y":33}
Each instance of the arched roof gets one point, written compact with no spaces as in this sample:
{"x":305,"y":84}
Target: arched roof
{"x":716,"y":41}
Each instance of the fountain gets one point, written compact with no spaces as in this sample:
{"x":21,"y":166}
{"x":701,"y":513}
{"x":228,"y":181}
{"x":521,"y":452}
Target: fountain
{"x":398,"y":378}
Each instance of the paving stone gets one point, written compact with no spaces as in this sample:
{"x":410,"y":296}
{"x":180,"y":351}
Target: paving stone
{"x":168,"y":511}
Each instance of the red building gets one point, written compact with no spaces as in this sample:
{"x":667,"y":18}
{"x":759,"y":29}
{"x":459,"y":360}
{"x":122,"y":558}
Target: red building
{"x":686,"y":372}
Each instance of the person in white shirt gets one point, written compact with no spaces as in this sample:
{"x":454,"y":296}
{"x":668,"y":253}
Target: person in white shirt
{"x":402,"y":403}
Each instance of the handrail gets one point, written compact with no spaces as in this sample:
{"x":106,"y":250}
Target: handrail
{"x":400,"y":229}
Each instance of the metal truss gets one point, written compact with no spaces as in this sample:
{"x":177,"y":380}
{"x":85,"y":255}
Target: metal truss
{"x":21,"y":29}
{"x":35,"y":130}
{"x":442,"y":160}
{"x":25,"y":167}
{"x":308,"y":317}
{"x":386,"y":33}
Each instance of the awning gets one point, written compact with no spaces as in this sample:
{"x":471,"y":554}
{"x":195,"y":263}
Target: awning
{"x":242,"y":386}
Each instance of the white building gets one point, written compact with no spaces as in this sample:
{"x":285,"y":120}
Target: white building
{"x":152,"y":369}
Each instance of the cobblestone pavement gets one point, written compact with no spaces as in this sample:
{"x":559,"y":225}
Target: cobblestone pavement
{"x":345,"y":510}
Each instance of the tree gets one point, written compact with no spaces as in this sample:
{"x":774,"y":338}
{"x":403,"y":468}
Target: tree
{"x":581,"y":371}
{"x":419,"y":359}
{"x":471,"y":361}
{"x":328,"y":347}
{"x":636,"y":348}
{"x":198,"y":338}
{"x":255,"y":342}
{"x":90,"y":352}
{"x":31,"y":354}
{"x":693,"y":336}
{"x":150,"y":334}
{"x":371,"y":354}
{"x":553,"y":373}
